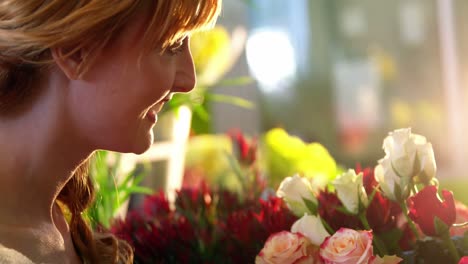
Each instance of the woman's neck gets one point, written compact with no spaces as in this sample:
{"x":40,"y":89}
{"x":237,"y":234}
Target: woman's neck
{"x":45,"y":243}
{"x":39,"y":152}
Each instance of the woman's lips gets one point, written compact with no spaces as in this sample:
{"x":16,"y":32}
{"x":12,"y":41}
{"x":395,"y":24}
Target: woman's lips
{"x":152,"y":116}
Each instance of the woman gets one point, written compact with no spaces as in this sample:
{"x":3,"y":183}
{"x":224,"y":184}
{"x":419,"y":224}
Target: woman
{"x":75,"y":77}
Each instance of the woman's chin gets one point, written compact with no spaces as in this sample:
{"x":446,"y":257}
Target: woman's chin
{"x":138,"y":145}
{"x":140,"y":150}
{"x":142,"y":146}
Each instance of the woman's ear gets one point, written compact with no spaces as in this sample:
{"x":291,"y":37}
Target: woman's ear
{"x":69,"y":64}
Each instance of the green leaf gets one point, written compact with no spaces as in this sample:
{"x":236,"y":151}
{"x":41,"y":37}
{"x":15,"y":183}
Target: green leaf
{"x":201,"y":112}
{"x":372,"y":195}
{"x":110,"y":195}
{"x":343,"y":210}
{"x":136,"y":189}
{"x":140,"y":189}
{"x":239,"y":81}
{"x":229,"y":99}
{"x":138,"y":179}
{"x":391,"y":240}
{"x":127,"y":180}
{"x":313,"y":207}
{"x":234,"y":164}
{"x":440,"y":226}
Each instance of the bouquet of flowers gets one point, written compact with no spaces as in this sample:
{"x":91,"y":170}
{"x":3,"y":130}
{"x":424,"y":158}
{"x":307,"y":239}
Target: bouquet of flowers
{"x":392,"y":213}
{"x":207,"y":224}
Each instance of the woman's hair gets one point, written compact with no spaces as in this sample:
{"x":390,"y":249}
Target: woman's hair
{"x":30,"y":29}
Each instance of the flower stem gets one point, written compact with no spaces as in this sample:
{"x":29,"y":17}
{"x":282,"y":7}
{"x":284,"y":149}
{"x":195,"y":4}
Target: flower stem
{"x":451,"y":246}
{"x":413,"y":228}
{"x":327,"y":226}
{"x":377,"y":242}
{"x":365,"y":223}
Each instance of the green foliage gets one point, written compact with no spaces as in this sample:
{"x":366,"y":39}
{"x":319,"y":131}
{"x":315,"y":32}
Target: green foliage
{"x":391,"y":239}
{"x":313,"y":207}
{"x":111,"y":193}
{"x":440,"y":226}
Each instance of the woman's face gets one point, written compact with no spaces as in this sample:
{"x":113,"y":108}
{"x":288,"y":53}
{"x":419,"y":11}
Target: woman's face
{"x":115,"y":104}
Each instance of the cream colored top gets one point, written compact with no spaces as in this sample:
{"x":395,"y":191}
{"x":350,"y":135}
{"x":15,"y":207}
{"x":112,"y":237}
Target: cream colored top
{"x":11,"y":256}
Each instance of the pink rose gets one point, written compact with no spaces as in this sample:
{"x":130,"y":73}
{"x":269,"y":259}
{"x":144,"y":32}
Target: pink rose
{"x":285,"y":247}
{"x":347,"y":246}
{"x":463,"y":260}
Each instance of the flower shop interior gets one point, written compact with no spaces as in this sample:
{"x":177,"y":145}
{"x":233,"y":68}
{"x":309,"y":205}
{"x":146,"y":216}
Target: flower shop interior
{"x":316,"y":127}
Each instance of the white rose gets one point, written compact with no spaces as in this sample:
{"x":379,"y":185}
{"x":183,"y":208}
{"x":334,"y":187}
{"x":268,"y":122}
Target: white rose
{"x":350,"y":190}
{"x":386,"y":178}
{"x":294,"y":190}
{"x":311,"y":227}
{"x":409,"y":157}
{"x":410,"y":154}
{"x":428,"y":165}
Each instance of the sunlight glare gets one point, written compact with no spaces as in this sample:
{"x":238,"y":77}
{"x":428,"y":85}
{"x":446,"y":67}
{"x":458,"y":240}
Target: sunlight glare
{"x":270,"y":57}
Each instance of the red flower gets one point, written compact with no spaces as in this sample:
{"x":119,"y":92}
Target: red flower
{"x":368,"y":178}
{"x":381,"y":213}
{"x":463,"y":260}
{"x":328,"y":210}
{"x":246,"y":152}
{"x":194,"y":199}
{"x":425,"y":205}
{"x":245,"y":231}
{"x":156,"y":205}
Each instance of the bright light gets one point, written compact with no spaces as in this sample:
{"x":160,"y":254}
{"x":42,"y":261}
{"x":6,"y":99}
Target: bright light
{"x":270,"y":57}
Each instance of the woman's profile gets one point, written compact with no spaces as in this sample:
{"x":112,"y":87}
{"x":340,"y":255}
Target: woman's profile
{"x":77,"y":76}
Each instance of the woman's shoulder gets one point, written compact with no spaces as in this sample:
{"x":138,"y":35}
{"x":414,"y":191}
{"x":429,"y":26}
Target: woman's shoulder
{"x":10,"y":256}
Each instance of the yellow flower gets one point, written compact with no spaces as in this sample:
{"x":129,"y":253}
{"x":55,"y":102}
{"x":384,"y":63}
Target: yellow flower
{"x":211,"y":54}
{"x":285,"y":155}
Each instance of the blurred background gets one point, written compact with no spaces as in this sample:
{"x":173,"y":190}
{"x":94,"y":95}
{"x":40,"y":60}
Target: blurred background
{"x":345,"y":73}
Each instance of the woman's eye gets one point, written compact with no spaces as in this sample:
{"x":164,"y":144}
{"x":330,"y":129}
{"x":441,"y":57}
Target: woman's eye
{"x":177,"y":47}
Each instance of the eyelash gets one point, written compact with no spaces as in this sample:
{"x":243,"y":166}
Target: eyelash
{"x":177,"y":47}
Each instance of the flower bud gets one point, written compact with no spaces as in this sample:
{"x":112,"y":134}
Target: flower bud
{"x":351,"y":192}
{"x":311,"y":227}
{"x":296,"y":191}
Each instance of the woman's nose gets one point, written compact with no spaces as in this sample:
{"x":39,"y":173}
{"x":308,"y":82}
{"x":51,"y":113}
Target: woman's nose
{"x":185,"y":78}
